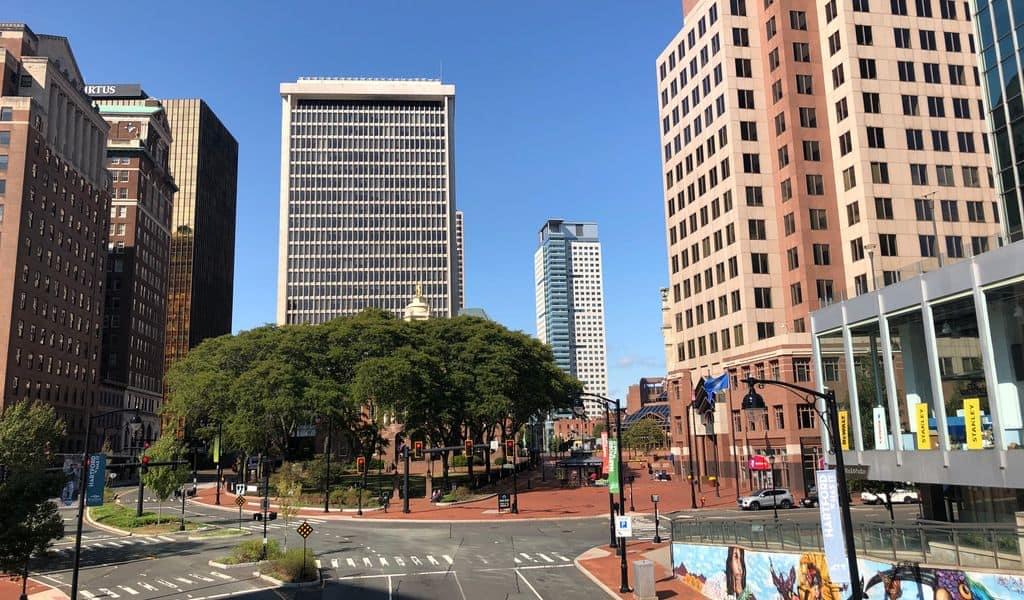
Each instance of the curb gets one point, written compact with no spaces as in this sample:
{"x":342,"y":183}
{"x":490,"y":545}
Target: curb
{"x":220,"y":565}
{"x":461,"y":502}
{"x":102,"y":527}
{"x":595,"y":580}
{"x":200,"y":538}
{"x":287,"y":585}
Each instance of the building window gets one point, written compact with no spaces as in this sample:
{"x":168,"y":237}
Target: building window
{"x":815,"y":185}
{"x":883,"y":208}
{"x":822,"y":254}
{"x":780,"y":419}
{"x":6,"y":114}
{"x":801,"y":369}
{"x":825,"y":291}
{"x":796,"y":294}
{"x":806,"y":417}
{"x":798,"y":20}
{"x":887,"y":244}
{"x":818,"y":218}
{"x":765,"y":330}
{"x":804,"y":84}
{"x":879,"y":172}
{"x":852,"y":213}
{"x":954,"y":246}
{"x":808,"y":117}
{"x":762,"y":297}
{"x":759,"y":263}
{"x":927,"y":245}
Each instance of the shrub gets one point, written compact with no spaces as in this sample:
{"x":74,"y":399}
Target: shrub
{"x":349,"y":497}
{"x":499,"y":461}
{"x":289,"y":567}
{"x":373,"y":465}
{"x":459,"y":494}
{"x":252,"y":550}
{"x":461,"y":460}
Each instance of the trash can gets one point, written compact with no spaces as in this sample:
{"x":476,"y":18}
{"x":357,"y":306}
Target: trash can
{"x":643,"y":580}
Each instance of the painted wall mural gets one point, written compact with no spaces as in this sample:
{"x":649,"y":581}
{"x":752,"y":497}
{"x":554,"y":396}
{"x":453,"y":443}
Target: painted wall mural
{"x":733,"y":573}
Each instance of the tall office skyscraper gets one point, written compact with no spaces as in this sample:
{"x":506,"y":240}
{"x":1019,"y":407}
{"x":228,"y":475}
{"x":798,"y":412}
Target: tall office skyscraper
{"x":811,"y":152}
{"x":367,"y":198}
{"x":570,"y":303}
{"x":54,"y":202}
{"x":204,"y":163}
{"x":132,"y":365}
{"x":1003,"y":72}
{"x":460,"y":251}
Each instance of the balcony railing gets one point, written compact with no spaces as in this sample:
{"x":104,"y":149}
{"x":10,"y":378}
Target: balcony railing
{"x":988,"y":546}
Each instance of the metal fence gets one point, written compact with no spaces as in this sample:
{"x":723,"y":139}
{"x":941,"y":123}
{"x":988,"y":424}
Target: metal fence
{"x":992,"y":546}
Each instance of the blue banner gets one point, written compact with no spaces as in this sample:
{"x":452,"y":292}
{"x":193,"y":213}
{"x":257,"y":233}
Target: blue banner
{"x":96,"y":476}
{"x":832,"y":528}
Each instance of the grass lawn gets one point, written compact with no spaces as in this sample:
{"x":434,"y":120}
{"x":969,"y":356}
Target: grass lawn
{"x":115,"y":515}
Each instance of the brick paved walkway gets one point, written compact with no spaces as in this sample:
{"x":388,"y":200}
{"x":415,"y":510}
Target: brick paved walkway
{"x":602,"y":565}
{"x":10,"y":589}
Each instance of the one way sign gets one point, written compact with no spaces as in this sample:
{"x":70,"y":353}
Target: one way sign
{"x":624,"y":526}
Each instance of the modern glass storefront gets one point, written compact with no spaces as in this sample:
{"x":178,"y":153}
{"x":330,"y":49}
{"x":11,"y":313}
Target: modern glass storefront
{"x":929,"y":377}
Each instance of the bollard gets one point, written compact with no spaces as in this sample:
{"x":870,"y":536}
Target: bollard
{"x":643,"y":580}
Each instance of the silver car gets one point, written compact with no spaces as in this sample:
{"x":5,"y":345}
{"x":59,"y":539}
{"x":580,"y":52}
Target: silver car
{"x":766,"y":499}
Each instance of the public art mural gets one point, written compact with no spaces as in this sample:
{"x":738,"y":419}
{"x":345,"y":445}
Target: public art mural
{"x":733,"y":573}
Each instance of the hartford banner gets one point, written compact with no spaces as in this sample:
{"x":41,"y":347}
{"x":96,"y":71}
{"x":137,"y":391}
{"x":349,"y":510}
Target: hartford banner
{"x":613,"y":466}
{"x":96,"y":475}
{"x":832,"y":539}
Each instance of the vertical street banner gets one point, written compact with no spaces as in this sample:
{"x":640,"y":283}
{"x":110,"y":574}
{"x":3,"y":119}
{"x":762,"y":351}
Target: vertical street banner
{"x":924,"y":441}
{"x":972,"y":423}
{"x":881,"y":428}
{"x":832,"y":538}
{"x":96,"y":476}
{"x":844,"y":429}
{"x":613,"y":466}
{"x":604,"y":451}
{"x":216,"y":450}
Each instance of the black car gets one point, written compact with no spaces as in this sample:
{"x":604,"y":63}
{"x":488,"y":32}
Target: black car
{"x":811,"y":499}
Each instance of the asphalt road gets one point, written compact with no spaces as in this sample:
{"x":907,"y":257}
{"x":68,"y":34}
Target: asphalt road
{"x":362,"y":559}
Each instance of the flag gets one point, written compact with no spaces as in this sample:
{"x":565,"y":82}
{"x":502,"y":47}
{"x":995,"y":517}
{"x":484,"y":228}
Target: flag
{"x":713,"y":385}
{"x":701,"y":403}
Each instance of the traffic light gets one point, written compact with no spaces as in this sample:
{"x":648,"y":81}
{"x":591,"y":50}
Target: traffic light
{"x":417,"y":450}
{"x":469,"y":447}
{"x":361,"y":463}
{"x":145,"y":464}
{"x":510,"y":447}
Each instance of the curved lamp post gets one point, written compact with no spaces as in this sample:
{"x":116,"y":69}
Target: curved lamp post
{"x":134,"y":424}
{"x":754,"y":403}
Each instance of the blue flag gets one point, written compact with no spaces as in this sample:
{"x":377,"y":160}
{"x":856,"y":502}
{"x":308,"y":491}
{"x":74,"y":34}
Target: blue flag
{"x":713,"y":385}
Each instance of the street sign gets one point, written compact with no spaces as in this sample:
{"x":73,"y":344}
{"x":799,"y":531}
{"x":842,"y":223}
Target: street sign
{"x":304,"y":431}
{"x":494,"y":445}
{"x":239,"y":489}
{"x":759,"y":462}
{"x":856,"y":472}
{"x":504,"y":502}
{"x":304,"y":530}
{"x":623,"y":526}
{"x":239,"y":501}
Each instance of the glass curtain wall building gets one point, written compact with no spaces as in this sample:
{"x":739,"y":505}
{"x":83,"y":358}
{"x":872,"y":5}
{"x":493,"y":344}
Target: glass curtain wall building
{"x":937,"y":392}
{"x":1001,"y":31}
{"x":367,"y":198}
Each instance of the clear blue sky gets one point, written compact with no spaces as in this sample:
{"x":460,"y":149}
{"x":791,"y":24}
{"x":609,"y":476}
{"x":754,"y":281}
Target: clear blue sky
{"x":556,"y":117}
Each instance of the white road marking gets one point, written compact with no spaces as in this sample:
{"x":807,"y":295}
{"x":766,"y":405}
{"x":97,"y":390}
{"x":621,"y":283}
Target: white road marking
{"x":526,"y":556}
{"x":107,"y":592}
{"x":367,"y":561}
{"x":129,"y":590}
{"x":517,"y":561}
{"x":146,"y":586}
{"x":448,"y":558}
{"x":88,"y":595}
{"x":165,"y":538}
{"x":415,"y":560}
{"x":200,"y":577}
{"x":529,"y":585}
{"x":350,"y":562}
{"x":546,"y":559}
{"x":560,"y":557}
{"x":432,"y":560}
{"x":389,"y":587}
{"x":482,"y":559}
{"x":399,"y":561}
{"x":184,"y":580}
{"x":334,"y":563}
{"x":221,"y":575}
{"x":383,"y":561}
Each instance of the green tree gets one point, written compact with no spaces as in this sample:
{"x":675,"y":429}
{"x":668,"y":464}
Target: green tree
{"x":597,"y":431}
{"x":644,"y":434}
{"x":287,"y":484}
{"x":163,"y":480}
{"x":29,"y":521}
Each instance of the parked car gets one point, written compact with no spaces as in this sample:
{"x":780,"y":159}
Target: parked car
{"x":899,"y":496}
{"x":811,"y":499}
{"x":766,"y":499}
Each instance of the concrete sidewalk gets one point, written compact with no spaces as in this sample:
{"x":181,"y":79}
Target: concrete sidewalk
{"x":539,"y":498}
{"x":603,"y":567}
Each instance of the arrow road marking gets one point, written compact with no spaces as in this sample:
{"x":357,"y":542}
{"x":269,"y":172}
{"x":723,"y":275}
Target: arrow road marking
{"x":367,"y":561}
{"x":399,"y":561}
{"x":350,"y":562}
{"x":415,"y":560}
{"x":334,"y":563}
{"x":432,"y":560}
{"x":383,"y":561}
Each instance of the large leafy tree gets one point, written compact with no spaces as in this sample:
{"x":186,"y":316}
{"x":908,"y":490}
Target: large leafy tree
{"x":164,"y":479}
{"x":29,"y":521}
{"x":644,"y":434}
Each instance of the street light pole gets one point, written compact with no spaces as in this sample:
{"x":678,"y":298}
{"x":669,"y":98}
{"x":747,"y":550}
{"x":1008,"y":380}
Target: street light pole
{"x":754,"y":402}
{"x":655,"y":498}
{"x":614,"y":542}
{"x":771,"y":460}
{"x":220,"y":467}
{"x":327,"y":458}
{"x":689,"y":457}
{"x":134,"y":424}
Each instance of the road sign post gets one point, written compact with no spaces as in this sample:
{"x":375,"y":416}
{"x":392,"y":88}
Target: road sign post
{"x":239,"y":502}
{"x":304,"y":530}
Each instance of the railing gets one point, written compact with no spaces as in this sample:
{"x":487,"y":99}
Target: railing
{"x":991,"y":546}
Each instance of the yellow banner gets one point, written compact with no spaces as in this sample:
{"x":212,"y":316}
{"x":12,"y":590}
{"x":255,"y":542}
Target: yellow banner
{"x":924,"y":438}
{"x":972,"y":423}
{"x":844,"y":429}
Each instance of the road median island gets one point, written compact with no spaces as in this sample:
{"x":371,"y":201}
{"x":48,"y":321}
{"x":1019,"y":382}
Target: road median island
{"x":121,"y":520}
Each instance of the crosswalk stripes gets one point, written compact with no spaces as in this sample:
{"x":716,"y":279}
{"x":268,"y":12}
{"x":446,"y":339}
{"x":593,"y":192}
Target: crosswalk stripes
{"x":377,"y":561}
{"x":179,"y":585}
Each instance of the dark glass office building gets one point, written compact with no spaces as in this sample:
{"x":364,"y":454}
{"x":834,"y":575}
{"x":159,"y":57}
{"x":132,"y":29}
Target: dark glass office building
{"x":1002,"y":40}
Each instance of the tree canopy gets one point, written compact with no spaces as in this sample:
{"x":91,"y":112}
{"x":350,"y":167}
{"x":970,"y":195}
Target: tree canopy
{"x":29,"y":520}
{"x":440,"y":378}
{"x":644,"y":434}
